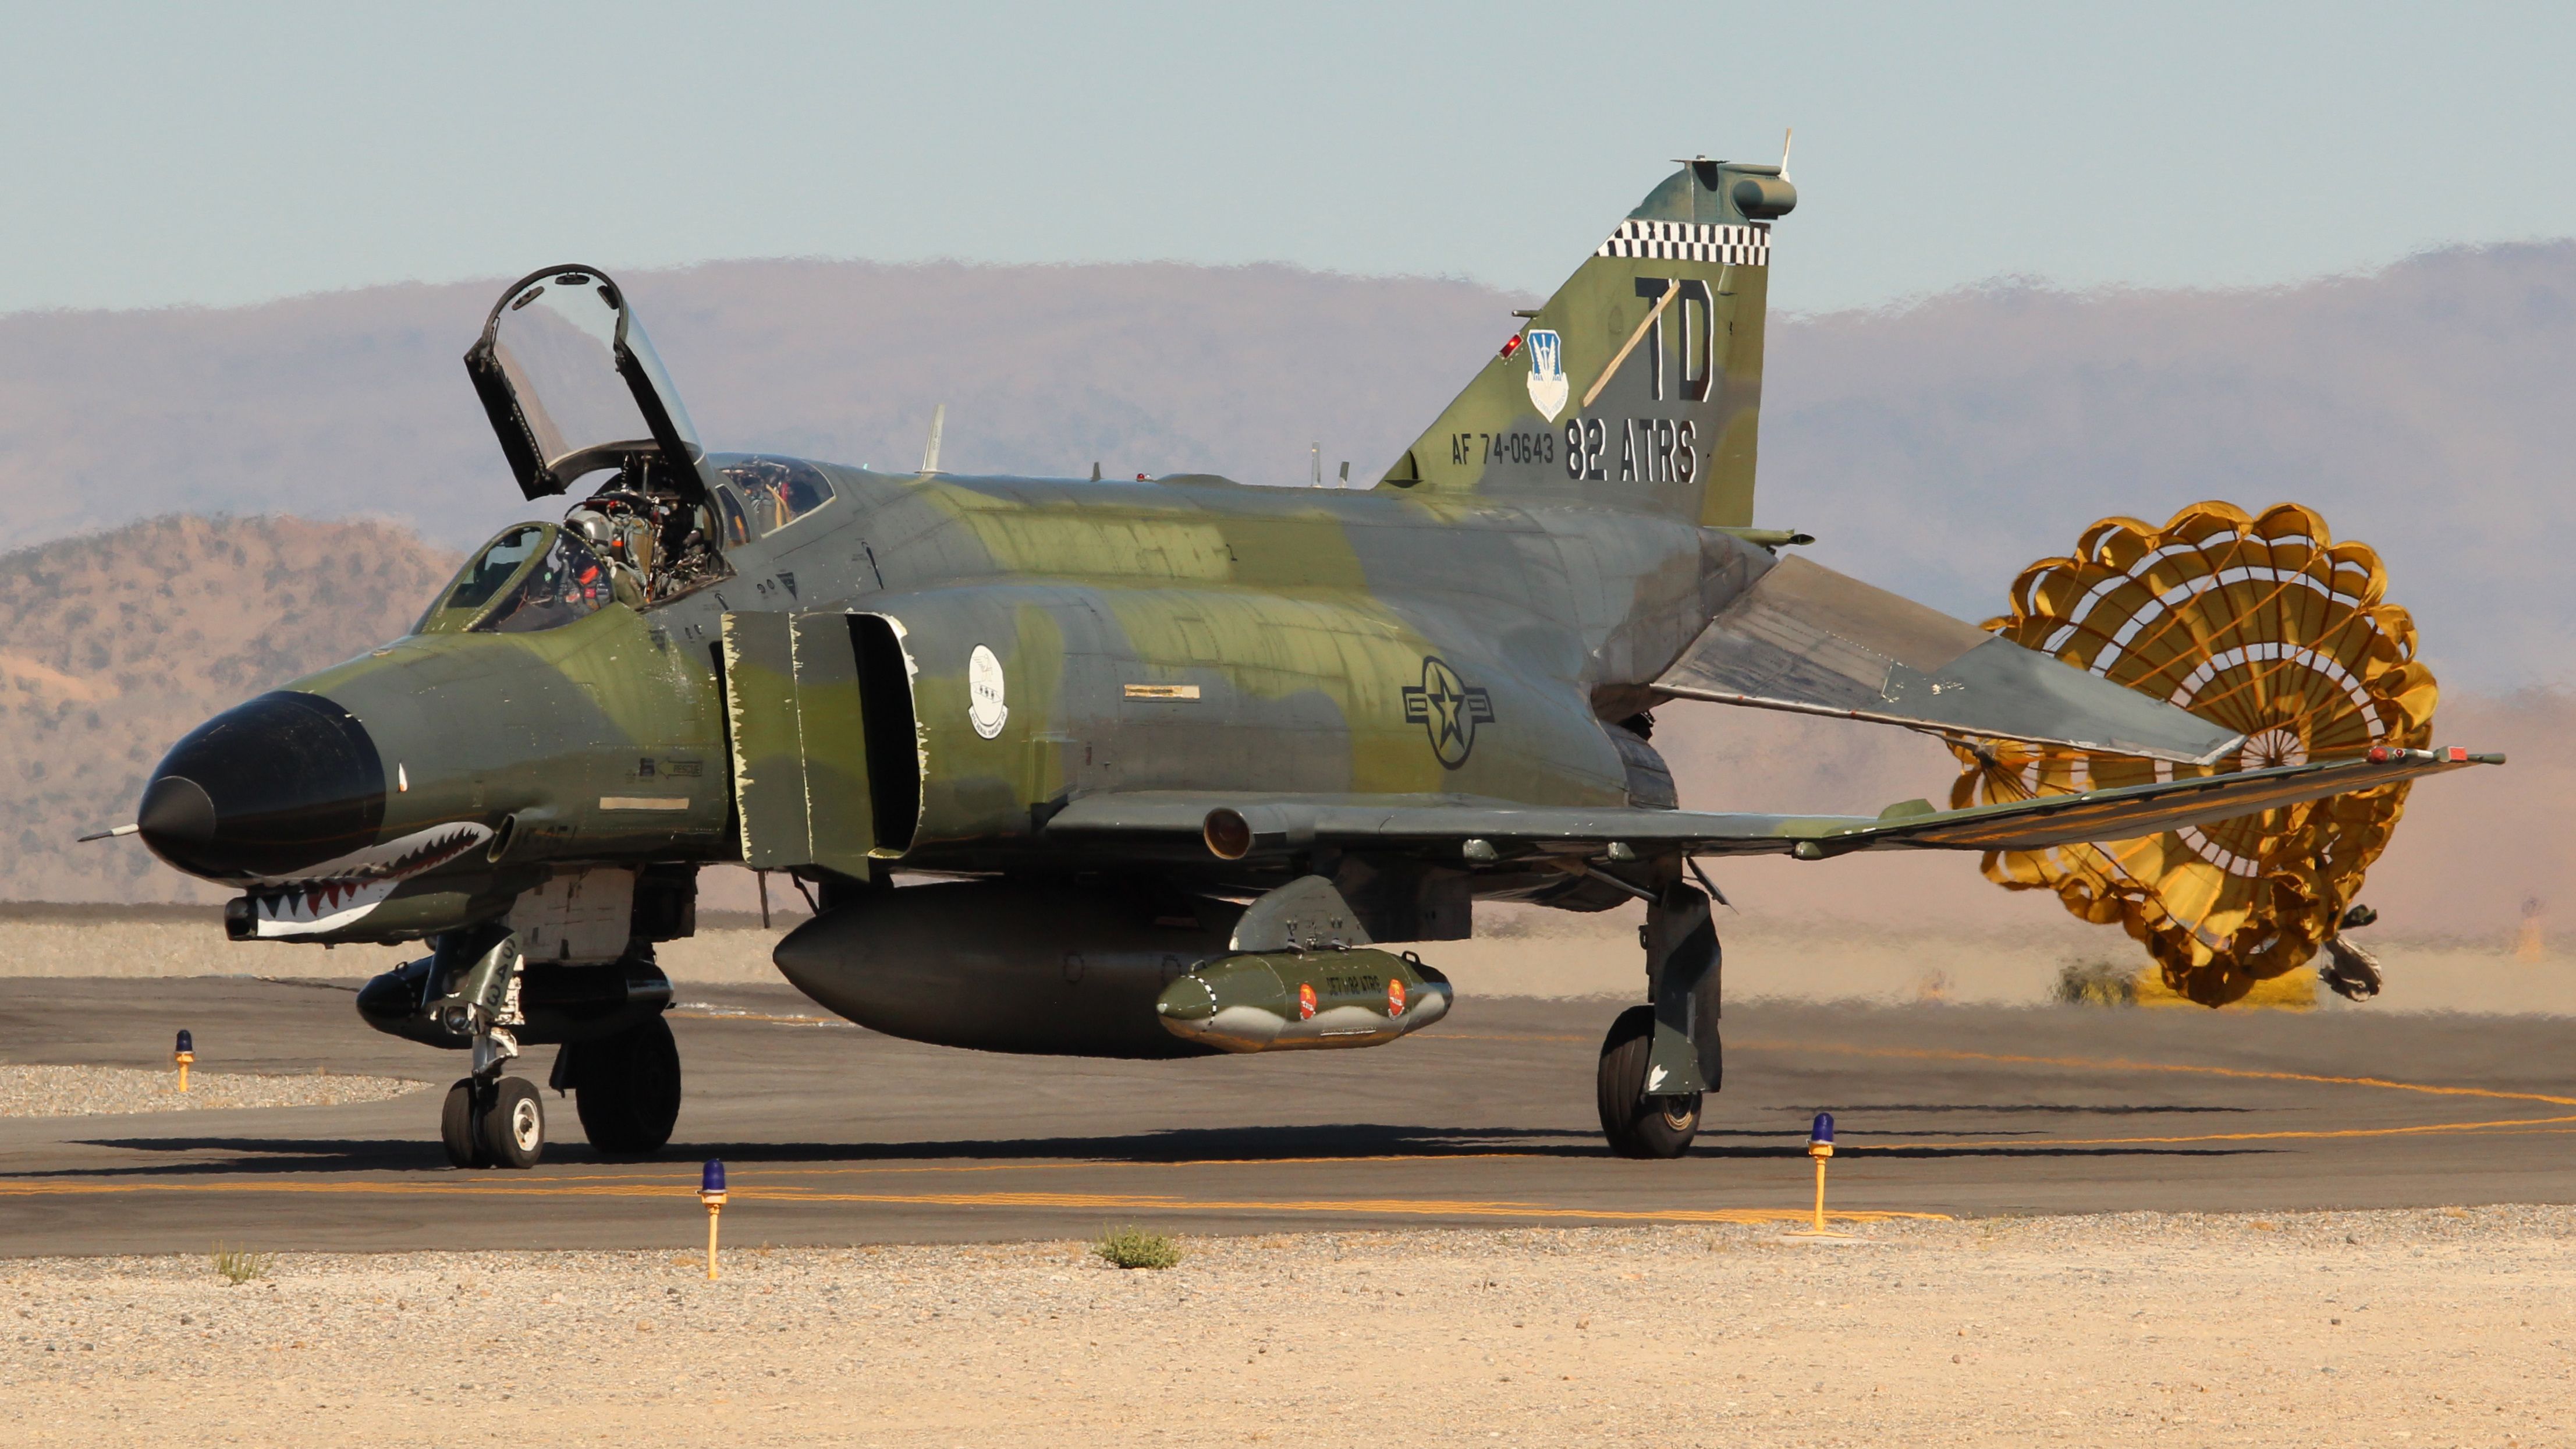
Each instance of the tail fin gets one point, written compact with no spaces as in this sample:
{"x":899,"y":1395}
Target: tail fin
{"x":1639,"y":384}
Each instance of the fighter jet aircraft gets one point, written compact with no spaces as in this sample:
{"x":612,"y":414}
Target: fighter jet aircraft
{"x":1160,"y":762}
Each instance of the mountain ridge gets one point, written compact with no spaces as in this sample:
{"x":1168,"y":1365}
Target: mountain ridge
{"x":1944,"y":444}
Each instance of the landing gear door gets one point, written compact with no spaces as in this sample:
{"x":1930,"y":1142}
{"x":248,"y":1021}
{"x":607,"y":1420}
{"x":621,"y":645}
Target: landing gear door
{"x":573,"y":386}
{"x":799,"y":742}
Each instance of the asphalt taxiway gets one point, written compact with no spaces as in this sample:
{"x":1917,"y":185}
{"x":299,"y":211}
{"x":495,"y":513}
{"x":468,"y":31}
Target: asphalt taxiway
{"x":838,"y":1135}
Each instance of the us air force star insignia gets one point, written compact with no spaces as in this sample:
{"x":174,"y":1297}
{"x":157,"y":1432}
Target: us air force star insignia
{"x":984,"y":707}
{"x":1448,"y":711}
{"x":1547,"y":386}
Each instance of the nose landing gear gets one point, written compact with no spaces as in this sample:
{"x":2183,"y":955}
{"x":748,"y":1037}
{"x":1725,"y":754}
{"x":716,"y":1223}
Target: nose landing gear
{"x":490,"y":1120}
{"x":499,"y":1123}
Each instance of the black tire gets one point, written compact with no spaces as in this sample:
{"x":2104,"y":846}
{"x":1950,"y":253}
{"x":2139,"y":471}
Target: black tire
{"x":627,"y":1090}
{"x":1635,"y":1124}
{"x":513,"y":1124}
{"x":459,"y":1128}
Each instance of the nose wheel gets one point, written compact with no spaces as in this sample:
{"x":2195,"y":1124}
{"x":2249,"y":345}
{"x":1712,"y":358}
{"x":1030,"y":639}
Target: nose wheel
{"x":495,"y":1123}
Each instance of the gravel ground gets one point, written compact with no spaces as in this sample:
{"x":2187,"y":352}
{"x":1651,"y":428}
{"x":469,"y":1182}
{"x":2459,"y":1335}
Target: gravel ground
{"x":92,"y":1091}
{"x":2414,"y":1328}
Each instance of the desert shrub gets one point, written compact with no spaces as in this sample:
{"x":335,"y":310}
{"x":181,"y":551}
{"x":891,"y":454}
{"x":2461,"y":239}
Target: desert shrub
{"x":1133,"y":1247}
{"x":2097,"y":983}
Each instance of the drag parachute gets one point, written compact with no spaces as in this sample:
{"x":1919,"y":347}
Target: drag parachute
{"x":2261,"y":623}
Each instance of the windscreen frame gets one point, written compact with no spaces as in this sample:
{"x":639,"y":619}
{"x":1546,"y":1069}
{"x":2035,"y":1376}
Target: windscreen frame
{"x":675,"y":445}
{"x":436,"y":618}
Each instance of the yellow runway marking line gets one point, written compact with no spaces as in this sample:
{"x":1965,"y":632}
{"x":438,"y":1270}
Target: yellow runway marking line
{"x":2118,"y":1064}
{"x":378,"y":1189}
{"x":902,"y":1169}
{"x":1089,"y":1202}
{"x":2508,"y":1126}
{"x":980,"y":1167}
{"x":2529,"y":1124}
{"x":1415,"y":1207}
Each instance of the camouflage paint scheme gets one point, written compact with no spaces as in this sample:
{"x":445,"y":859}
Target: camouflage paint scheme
{"x":1469,"y":633}
{"x":1301,"y":617}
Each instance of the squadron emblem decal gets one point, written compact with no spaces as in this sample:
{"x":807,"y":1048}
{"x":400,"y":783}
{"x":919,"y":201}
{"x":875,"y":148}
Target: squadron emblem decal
{"x":1448,"y":711}
{"x":1547,"y":387}
{"x":984,"y":707}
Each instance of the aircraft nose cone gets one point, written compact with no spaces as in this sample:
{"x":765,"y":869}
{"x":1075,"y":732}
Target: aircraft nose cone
{"x":265,"y":789}
{"x":178,"y":811}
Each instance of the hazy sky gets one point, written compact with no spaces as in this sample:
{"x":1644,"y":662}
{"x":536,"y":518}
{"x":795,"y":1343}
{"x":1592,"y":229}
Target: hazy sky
{"x":223,"y":154}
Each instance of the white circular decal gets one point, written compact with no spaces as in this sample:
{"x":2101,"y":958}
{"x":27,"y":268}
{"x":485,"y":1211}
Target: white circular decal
{"x":985,"y":709}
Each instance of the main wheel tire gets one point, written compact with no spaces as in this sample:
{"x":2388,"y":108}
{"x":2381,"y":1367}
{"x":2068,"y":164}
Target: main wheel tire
{"x":514,"y":1124}
{"x":459,"y":1128}
{"x":627,"y":1089}
{"x":1635,"y":1124}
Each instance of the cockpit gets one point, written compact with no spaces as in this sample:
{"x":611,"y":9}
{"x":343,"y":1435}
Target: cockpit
{"x":578,"y":397}
{"x":763,"y":495}
{"x":580,"y":401}
{"x":533,"y":576}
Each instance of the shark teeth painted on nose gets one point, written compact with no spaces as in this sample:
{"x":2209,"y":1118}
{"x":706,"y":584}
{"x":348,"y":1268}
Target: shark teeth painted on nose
{"x":347,"y":889}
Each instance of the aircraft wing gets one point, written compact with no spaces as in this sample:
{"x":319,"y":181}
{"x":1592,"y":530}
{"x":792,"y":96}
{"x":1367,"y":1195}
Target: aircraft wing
{"x":1234,"y":825}
{"x":1807,"y":639}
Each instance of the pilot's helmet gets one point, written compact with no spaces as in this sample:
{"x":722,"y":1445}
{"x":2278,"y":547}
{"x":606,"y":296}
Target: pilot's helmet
{"x":591,"y":525}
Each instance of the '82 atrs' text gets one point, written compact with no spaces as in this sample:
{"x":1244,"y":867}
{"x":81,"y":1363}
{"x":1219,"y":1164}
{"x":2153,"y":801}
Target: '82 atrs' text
{"x":1465,"y":448}
{"x":1643,"y":450}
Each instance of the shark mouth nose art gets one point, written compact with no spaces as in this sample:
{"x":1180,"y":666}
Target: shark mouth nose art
{"x":341,"y":892}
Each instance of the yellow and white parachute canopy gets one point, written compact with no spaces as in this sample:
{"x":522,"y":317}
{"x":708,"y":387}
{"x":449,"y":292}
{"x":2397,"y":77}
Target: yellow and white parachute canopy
{"x":2263,"y":624}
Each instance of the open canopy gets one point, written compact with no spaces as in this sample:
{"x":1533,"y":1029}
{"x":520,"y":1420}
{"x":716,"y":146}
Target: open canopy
{"x":574,"y":387}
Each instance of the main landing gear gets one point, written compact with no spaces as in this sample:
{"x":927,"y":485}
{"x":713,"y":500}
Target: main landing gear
{"x":1661,"y":1058}
{"x":626,"y":1087}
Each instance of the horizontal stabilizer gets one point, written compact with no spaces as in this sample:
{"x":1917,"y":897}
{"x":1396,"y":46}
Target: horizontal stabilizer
{"x":1813,"y":641}
{"x":1458,"y":827}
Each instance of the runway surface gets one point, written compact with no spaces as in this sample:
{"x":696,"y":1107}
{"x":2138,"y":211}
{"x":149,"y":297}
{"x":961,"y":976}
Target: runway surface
{"x":837,"y":1135}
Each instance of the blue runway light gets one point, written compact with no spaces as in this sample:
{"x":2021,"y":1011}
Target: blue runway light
{"x":1820,"y":1146}
{"x":186,"y":1043}
{"x":711,"y":1191}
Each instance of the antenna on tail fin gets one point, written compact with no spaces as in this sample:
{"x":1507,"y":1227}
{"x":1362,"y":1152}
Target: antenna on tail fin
{"x":1786,"y":136}
{"x":930,"y":453}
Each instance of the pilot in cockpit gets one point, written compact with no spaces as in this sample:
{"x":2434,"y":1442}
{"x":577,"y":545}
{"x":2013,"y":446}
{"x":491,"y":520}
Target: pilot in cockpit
{"x":620,"y":525}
